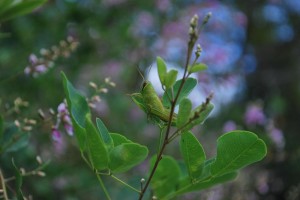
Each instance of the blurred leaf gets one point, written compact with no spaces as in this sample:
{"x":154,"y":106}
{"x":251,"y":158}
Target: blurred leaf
{"x":161,"y":69}
{"x":1,"y":127}
{"x":125,"y":156}
{"x":197,"y":67}
{"x":19,"y":181}
{"x":119,"y":139}
{"x":13,"y":139}
{"x":166,"y":176}
{"x":78,"y":108}
{"x":201,"y":117}
{"x":106,"y":138}
{"x":193,"y":155}
{"x":97,"y":151}
{"x":170,"y":78}
{"x":15,"y":8}
{"x":236,"y":150}
{"x":188,"y":86}
{"x":185,"y":108}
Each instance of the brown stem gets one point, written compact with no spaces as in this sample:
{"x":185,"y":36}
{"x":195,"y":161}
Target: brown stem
{"x":173,"y":104}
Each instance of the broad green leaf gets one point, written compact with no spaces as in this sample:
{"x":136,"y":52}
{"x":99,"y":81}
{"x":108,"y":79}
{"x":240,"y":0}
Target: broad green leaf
{"x":119,"y":139}
{"x":96,"y":148}
{"x":20,"y":8}
{"x":170,"y":78}
{"x":184,"y":112}
{"x":166,"y":176}
{"x":125,"y":156}
{"x":106,"y":138}
{"x":199,"y":118}
{"x":193,"y":155}
{"x":188,"y":86}
{"x":197,"y":67}
{"x":186,"y":186}
{"x":161,"y":69}
{"x":78,"y":108}
{"x":13,"y":139}
{"x":19,"y":181}
{"x":236,"y":150}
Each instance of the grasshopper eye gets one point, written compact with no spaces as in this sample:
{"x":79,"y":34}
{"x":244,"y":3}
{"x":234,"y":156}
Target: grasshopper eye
{"x":144,"y":84}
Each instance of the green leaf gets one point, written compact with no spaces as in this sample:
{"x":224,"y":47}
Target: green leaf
{"x":193,"y":155}
{"x":166,"y":176}
{"x":188,"y":86}
{"x":197,"y":67}
{"x":186,"y":186}
{"x":125,"y":156}
{"x":19,"y":181}
{"x":170,"y":78}
{"x":78,"y":108}
{"x":185,"y":108}
{"x":106,"y":138}
{"x":13,"y":139}
{"x":119,"y":139}
{"x":20,"y":8}
{"x":161,"y":69}
{"x":236,"y":150}
{"x":96,"y":148}
{"x":199,"y":118}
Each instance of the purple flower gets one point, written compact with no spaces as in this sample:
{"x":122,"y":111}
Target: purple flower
{"x":56,"y":135}
{"x":62,"y":108}
{"x":69,"y":129}
{"x":254,"y":115}
{"x":277,"y":137}
{"x":40,"y":69}
{"x":33,"y":59}
{"x":229,"y":126}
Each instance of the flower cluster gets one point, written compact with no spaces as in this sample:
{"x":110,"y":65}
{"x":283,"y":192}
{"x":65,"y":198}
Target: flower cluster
{"x":38,"y":66}
{"x":63,"y":117}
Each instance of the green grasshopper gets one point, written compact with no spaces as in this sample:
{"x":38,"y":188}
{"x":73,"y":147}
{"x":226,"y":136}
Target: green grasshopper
{"x":151,"y":104}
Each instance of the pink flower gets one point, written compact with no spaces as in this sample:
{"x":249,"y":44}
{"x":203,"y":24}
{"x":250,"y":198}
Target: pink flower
{"x":254,"y":115}
{"x":229,"y":126}
{"x":69,"y":129}
{"x":56,"y":135}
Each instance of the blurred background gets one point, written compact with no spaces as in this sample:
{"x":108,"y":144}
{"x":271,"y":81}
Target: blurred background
{"x":252,"y":50}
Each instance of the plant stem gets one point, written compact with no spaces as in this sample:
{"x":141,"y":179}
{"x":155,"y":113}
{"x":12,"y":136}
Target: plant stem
{"x":3,"y":186}
{"x":129,"y":186}
{"x":102,"y":186}
{"x":173,"y":104}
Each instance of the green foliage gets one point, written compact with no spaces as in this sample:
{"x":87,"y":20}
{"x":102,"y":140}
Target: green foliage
{"x":13,"y":8}
{"x":19,"y":181}
{"x":13,"y":139}
{"x":107,"y":139}
{"x":79,"y":109}
{"x":162,"y":69}
{"x":236,"y":150}
{"x":197,"y":68}
{"x":98,"y":153}
{"x":166,"y":176}
{"x":114,"y":153}
{"x":189,"y":85}
{"x":185,"y":108}
{"x":1,"y":126}
{"x":193,"y":155}
{"x":127,"y":155}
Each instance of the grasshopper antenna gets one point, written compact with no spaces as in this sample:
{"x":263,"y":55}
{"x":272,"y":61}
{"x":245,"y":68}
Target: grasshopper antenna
{"x":140,"y":72}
